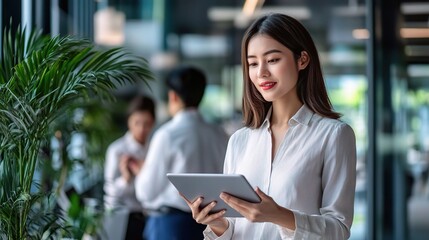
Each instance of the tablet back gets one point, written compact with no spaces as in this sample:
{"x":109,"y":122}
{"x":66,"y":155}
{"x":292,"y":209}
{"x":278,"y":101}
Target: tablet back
{"x":209,"y":186}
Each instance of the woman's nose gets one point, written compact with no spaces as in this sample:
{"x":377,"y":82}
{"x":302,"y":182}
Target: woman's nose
{"x":263,"y":71}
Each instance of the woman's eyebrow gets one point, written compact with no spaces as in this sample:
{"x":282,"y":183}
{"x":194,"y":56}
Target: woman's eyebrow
{"x":266,"y":53}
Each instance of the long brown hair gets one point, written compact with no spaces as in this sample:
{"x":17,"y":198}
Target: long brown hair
{"x":311,"y":85}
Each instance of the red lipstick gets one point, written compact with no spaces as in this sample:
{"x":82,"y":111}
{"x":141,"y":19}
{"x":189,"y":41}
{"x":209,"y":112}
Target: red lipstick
{"x":267,"y":85}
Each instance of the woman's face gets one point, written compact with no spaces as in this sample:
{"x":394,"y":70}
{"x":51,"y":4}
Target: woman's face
{"x":273,"y":69}
{"x":140,"y":125}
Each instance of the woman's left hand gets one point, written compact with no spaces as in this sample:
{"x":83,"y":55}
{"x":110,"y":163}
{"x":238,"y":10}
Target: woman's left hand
{"x":265,"y":211}
{"x":135,"y":166}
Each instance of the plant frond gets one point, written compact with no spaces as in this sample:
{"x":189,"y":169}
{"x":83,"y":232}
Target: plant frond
{"x":41,"y":79}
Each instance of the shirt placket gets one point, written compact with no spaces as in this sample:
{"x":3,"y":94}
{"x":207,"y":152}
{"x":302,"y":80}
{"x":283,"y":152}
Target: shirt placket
{"x":279,"y":154}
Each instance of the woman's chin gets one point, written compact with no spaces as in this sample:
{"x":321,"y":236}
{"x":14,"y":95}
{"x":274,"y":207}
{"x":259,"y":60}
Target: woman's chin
{"x":268,"y":98}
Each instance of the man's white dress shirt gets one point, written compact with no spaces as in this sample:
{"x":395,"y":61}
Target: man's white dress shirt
{"x":117,"y":192}
{"x":185,"y":144}
{"x":313,"y":174}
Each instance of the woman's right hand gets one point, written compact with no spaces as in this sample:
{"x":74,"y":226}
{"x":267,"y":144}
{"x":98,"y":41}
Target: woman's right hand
{"x":123,"y":167}
{"x":217,"y":223}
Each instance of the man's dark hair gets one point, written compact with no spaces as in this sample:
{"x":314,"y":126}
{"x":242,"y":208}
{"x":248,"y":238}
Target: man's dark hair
{"x":189,"y":83}
{"x":141,"y":104}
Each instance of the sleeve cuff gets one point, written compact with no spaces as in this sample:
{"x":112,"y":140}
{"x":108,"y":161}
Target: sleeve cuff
{"x":123,"y":187}
{"x":302,"y":228}
{"x":227,"y":235}
{"x":286,"y":233}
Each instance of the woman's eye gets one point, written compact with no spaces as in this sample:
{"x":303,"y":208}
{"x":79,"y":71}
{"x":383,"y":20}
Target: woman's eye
{"x":273,"y":60}
{"x":252,"y":64}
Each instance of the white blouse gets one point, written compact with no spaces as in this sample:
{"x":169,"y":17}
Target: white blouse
{"x":313,"y":174}
{"x":119,"y":193}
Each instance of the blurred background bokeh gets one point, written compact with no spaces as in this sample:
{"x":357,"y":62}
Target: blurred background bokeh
{"x":375,"y":58}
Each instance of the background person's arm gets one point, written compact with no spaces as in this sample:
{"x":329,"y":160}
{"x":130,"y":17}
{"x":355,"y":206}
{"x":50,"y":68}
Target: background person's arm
{"x":115,"y":185}
{"x":151,"y":179}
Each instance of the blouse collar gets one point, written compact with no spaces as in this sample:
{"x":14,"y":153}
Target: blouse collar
{"x":302,"y":116}
{"x":132,"y":142}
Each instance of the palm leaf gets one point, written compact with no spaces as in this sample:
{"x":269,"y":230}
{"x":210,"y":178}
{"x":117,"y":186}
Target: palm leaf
{"x":40,"y":79}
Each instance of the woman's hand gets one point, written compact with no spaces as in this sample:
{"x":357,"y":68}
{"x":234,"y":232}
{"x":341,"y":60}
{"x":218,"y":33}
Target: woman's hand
{"x":123,"y":167}
{"x":265,"y":211}
{"x":135,"y":165}
{"x":216,"y":222}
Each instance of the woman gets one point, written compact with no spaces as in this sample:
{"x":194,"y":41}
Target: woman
{"x":293,"y":147}
{"x":124,"y":158}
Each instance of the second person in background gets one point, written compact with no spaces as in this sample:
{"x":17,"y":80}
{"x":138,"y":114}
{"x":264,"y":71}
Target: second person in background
{"x":123,"y":160}
{"x":185,"y":144}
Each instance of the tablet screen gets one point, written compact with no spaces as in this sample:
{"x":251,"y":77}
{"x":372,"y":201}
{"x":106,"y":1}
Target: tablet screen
{"x":209,"y":186}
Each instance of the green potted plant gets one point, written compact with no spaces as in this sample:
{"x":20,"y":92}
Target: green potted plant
{"x":41,"y":78}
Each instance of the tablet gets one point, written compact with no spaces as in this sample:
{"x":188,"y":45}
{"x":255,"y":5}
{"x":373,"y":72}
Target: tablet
{"x":210,"y":186}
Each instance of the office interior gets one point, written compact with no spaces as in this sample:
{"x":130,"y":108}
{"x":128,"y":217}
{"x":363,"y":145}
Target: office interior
{"x":375,"y":59}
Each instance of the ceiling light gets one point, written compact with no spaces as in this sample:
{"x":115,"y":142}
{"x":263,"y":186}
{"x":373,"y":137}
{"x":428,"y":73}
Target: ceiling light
{"x":250,"y":6}
{"x":414,"y":32}
{"x":218,"y":14}
{"x":415,"y":8}
{"x":109,"y":27}
{"x":231,"y":14}
{"x":350,"y":11}
{"x":360,"y":33}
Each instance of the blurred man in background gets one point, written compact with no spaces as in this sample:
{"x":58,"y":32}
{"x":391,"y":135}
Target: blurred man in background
{"x":185,"y":144}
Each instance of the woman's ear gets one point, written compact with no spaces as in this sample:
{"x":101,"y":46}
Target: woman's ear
{"x":303,"y":60}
